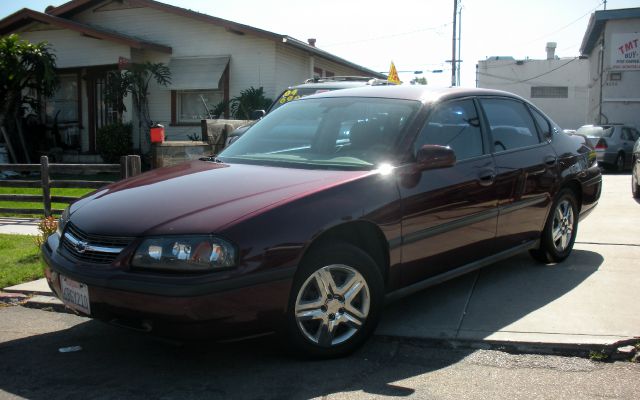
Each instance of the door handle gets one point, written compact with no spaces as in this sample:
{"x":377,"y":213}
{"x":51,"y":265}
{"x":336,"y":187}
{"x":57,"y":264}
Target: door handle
{"x":486,"y":177}
{"x":550,"y":160}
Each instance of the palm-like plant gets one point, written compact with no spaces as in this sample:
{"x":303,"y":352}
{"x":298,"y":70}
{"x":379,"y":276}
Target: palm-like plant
{"x":135,"y":82}
{"x":248,"y":101}
{"x":27,"y":71}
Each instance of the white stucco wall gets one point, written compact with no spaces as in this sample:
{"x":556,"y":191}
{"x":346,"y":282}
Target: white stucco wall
{"x":516,"y":77}
{"x":73,"y":49}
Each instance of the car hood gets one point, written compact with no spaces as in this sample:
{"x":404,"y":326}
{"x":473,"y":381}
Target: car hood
{"x":196,"y":198}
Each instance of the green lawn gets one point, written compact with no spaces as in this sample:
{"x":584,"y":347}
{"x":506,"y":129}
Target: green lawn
{"x":54,"y":192}
{"x":19,"y":260}
{"x":38,"y":205}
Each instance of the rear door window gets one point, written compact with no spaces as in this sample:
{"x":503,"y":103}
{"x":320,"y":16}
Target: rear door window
{"x":511,"y":125}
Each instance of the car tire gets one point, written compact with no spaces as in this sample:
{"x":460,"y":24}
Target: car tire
{"x":560,"y":230}
{"x":619,"y":164}
{"x":635,"y":185}
{"x":335,"y":301}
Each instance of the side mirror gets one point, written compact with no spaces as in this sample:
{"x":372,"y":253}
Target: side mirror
{"x":432,"y":156}
{"x":257,"y":114}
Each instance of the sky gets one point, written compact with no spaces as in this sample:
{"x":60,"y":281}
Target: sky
{"x":415,"y":35}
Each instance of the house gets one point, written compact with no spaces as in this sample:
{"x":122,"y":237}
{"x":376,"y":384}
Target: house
{"x":558,"y":86}
{"x":211,"y":59}
{"x":612,"y":43}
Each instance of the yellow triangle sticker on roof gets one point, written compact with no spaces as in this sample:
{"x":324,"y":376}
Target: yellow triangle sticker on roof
{"x":393,"y":75}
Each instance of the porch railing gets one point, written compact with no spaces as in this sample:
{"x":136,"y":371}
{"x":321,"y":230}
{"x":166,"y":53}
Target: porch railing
{"x":129,"y":166}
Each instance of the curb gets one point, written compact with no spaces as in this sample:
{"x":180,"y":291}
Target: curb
{"x":610,"y":352}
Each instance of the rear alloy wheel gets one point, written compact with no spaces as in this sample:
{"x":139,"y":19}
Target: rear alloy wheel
{"x":619,"y":165}
{"x":635,"y":185}
{"x":560,"y":230}
{"x":335,"y":301}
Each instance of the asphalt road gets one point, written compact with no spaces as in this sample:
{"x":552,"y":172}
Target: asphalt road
{"x":115,"y":364}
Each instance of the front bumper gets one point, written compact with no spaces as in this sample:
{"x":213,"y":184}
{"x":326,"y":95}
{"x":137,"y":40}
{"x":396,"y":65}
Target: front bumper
{"x":176,"y":306}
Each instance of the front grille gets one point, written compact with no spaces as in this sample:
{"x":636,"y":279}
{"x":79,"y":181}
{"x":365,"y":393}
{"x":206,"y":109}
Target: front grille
{"x":95,"y":249}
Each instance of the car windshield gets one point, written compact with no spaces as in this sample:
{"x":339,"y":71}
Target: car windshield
{"x":596,"y":131}
{"x":336,"y":133}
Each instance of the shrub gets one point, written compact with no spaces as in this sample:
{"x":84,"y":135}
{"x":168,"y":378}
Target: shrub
{"x":46,"y":227}
{"x":114,"y":141}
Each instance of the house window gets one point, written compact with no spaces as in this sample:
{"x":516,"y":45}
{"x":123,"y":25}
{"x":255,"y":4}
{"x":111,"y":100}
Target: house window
{"x":194,"y":105}
{"x":550,"y":92}
{"x":329,"y":74}
{"x":317,"y":72}
{"x":63,"y":105}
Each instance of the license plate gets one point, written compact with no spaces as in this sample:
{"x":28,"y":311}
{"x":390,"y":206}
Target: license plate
{"x":75,"y":295}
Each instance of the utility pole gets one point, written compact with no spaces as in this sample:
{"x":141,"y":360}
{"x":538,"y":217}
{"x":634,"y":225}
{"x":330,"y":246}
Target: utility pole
{"x":453,"y":52}
{"x":459,"y":44}
{"x":605,"y":5}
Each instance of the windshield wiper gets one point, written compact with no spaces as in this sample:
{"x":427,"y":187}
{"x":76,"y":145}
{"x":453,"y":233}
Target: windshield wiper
{"x":212,"y":158}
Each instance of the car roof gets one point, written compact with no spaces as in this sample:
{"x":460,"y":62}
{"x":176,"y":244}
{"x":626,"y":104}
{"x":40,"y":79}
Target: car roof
{"x":330,"y":85}
{"x":421,"y":93}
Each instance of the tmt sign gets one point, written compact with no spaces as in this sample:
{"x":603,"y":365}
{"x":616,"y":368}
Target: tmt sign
{"x":625,"y":53}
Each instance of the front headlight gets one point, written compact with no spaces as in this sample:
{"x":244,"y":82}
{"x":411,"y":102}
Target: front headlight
{"x":185,"y":253}
{"x":62,"y":221}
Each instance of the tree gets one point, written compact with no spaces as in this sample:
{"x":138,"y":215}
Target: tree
{"x":135,"y":82}
{"x":27,"y":71}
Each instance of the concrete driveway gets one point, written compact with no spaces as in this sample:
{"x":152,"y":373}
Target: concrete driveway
{"x":590,"y":298}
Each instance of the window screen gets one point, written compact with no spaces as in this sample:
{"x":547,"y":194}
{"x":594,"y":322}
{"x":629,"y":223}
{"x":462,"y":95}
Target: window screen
{"x":550,"y":92}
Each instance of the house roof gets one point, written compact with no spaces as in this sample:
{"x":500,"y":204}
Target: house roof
{"x":27,"y":16}
{"x":75,"y":6}
{"x":597,"y":23}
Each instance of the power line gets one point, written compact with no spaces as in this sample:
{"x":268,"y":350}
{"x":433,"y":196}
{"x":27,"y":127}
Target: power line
{"x":433,"y":28}
{"x":528,"y":79}
{"x":567,"y":25}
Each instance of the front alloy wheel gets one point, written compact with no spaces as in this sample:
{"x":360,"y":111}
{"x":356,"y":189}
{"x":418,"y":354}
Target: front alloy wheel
{"x":332,"y":305}
{"x":335,"y":301}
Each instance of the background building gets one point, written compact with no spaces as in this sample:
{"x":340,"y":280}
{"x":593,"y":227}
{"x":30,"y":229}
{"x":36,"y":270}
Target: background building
{"x":558,"y":86}
{"x":612,"y":43}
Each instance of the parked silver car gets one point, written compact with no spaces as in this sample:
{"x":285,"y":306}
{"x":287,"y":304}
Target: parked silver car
{"x":613,"y":143}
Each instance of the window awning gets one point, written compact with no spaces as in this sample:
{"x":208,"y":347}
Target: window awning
{"x":194,"y":73}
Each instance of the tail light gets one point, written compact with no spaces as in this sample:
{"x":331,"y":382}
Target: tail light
{"x":601,"y":145}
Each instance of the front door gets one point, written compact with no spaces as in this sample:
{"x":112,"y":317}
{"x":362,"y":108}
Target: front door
{"x":449,"y":214}
{"x":101,"y":111}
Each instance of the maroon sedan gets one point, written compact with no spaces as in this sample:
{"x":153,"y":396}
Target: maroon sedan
{"x":323,"y":209}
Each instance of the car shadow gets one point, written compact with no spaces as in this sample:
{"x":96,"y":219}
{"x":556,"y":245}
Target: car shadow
{"x":119,"y":364}
{"x":115,"y":363}
{"x":479,"y":305}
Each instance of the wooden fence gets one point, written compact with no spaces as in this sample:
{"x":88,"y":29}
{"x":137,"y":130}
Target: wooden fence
{"x":129,"y":166}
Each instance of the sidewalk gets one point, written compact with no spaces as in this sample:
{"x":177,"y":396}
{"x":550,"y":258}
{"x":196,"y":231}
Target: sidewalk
{"x":19,"y":226}
{"x":589,"y":299}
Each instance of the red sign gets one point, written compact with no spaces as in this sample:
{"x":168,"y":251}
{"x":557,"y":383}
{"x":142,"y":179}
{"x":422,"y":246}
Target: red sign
{"x":123,"y":63}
